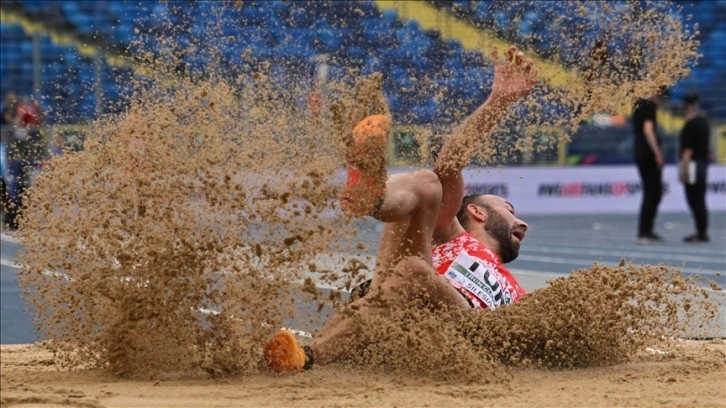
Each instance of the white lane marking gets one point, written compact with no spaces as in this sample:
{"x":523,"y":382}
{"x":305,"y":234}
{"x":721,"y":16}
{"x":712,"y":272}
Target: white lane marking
{"x":10,"y":264}
{"x":529,"y":272}
{"x":670,"y":255}
{"x":621,"y":243}
{"x":7,"y":238}
{"x":589,"y":262}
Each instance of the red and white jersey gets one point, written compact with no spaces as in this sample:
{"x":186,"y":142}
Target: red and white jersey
{"x":476,"y":272}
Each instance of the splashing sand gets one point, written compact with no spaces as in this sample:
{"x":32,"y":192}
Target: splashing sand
{"x":186,"y":229}
{"x":197,"y":197}
{"x":597,"y":316}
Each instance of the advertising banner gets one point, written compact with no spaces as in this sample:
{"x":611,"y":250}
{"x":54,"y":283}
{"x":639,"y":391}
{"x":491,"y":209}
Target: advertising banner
{"x":591,"y":189}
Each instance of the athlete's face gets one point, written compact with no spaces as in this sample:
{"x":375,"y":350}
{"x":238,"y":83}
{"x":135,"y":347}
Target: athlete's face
{"x":503,"y":225}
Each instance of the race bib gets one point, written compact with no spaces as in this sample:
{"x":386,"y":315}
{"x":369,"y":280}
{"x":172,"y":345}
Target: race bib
{"x":479,"y":280}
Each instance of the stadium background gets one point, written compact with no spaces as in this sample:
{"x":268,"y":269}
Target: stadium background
{"x":69,"y":55}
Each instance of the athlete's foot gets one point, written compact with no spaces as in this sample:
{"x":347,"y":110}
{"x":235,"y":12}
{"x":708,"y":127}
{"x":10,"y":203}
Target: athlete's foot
{"x":366,"y":158}
{"x":283,"y":355}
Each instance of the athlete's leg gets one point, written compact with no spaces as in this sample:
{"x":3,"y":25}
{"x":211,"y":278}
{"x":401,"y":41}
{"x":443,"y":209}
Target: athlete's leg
{"x":409,"y":206}
{"x":403,"y":272}
{"x":413,"y":279}
{"x":408,"y":203}
{"x":403,"y":269}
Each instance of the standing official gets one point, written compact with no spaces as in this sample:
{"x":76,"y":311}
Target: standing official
{"x":649,"y":159}
{"x":694,"y":153}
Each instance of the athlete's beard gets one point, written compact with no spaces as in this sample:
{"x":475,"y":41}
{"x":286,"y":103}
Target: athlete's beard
{"x":498,"y":228}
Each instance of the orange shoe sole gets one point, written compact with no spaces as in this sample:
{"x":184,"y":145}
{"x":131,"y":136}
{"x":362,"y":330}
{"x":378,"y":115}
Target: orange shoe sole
{"x":282,"y":353}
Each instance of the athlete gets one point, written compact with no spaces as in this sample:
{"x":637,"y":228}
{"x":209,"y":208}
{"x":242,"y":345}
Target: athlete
{"x":423,"y":209}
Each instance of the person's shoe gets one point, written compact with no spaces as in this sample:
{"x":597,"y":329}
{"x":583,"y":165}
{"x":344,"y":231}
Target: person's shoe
{"x":360,"y":290}
{"x":366,"y":158}
{"x":284,"y":356}
{"x":696,"y":238}
{"x":651,"y":238}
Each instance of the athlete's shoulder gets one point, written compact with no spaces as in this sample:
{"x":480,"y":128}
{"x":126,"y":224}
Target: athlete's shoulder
{"x":475,"y":247}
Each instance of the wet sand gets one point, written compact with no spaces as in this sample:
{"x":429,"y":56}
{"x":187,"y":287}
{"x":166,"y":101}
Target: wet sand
{"x":693,"y":374}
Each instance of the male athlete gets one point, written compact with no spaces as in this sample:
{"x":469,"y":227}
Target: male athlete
{"x":419,"y":210}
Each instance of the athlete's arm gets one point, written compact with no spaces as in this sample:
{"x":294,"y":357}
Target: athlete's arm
{"x":513,"y":79}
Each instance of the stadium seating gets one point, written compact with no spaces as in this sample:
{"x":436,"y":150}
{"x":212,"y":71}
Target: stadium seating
{"x":532,"y":17}
{"x":427,"y":79}
{"x":287,"y":34}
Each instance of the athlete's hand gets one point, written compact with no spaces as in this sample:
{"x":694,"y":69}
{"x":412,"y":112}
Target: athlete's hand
{"x":514,"y":77}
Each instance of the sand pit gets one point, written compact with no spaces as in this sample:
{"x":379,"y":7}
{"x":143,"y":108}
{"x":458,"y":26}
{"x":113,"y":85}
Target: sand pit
{"x":692,"y":374}
{"x":218,"y":192}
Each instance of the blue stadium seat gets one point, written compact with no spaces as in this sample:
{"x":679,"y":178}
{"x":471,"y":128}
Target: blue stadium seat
{"x":253,"y":15}
{"x":34,"y":5}
{"x":389,"y":15}
{"x":424,"y":112}
{"x":329,"y":40}
{"x":337,"y":72}
{"x":299,"y":17}
{"x":376,"y":32}
{"x":419,"y":44}
{"x":357,"y":53}
{"x":394,"y":103}
{"x":469,"y":58}
{"x":354,"y":34}
{"x":482,"y":12}
{"x":461,"y":5}
{"x":452,"y":64}
{"x":26,"y":48}
{"x":70,"y":9}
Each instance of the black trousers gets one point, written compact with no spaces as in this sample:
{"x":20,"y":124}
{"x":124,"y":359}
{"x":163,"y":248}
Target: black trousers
{"x":651,"y":177}
{"x":696,"y":197}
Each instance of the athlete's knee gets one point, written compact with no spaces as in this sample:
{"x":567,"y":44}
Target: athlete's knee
{"x":410,"y":271}
{"x":429,"y":181}
{"x":428,"y":187}
{"x":413,"y":267}
{"x":401,"y":276}
{"x":416,"y":276}
{"x":421,"y":285}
